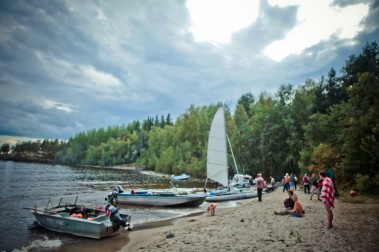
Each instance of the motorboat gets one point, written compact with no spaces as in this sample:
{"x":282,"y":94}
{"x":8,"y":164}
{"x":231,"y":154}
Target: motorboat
{"x":66,"y":215}
{"x":183,"y":176}
{"x":168,"y":198}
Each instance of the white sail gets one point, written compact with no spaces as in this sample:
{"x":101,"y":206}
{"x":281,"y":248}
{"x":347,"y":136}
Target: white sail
{"x":217,"y":161}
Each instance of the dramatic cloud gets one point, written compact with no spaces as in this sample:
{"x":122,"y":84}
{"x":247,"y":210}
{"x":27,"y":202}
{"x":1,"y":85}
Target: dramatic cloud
{"x":71,"y":66}
{"x":317,"y":21}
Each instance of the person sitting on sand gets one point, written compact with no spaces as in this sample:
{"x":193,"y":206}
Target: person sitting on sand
{"x":297,"y":210}
{"x":288,"y":202}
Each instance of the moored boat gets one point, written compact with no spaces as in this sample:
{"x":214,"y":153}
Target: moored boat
{"x":65,"y":215}
{"x":156,"y":198}
{"x":180,"y":177}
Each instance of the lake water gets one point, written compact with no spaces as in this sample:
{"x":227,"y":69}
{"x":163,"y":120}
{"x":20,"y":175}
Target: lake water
{"x":30,"y":184}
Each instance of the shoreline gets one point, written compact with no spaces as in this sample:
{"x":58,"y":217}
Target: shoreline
{"x":252,"y":226}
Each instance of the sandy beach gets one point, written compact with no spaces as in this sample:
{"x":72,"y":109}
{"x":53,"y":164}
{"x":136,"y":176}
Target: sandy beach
{"x":252,"y":226}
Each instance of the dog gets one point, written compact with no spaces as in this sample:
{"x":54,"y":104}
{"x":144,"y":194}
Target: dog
{"x":211,"y":209}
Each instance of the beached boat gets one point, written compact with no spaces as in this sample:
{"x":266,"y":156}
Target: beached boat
{"x":65,"y":215}
{"x":167,"y":198}
{"x":217,"y":163}
{"x":180,"y":177}
{"x":226,"y":195}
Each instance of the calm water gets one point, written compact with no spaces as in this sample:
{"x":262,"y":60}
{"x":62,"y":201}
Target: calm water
{"x":29,"y":184}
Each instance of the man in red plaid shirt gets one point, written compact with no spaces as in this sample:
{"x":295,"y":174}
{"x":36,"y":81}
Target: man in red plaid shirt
{"x":327,"y":195}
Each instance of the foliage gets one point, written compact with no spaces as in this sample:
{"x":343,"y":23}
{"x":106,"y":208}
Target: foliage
{"x":5,"y":148}
{"x":323,"y":156}
{"x":364,"y":184}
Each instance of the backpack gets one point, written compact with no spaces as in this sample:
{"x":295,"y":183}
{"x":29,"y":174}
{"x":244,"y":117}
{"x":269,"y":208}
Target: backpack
{"x":306,"y":180}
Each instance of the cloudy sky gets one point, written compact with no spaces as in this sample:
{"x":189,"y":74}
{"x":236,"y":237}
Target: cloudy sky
{"x":72,"y":66}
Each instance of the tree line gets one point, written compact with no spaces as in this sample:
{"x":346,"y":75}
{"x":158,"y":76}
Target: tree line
{"x":329,"y":122}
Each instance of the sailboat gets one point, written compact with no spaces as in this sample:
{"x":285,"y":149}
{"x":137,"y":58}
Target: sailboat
{"x":217,"y":163}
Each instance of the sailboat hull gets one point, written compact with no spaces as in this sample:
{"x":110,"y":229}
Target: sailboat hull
{"x":231,"y":196}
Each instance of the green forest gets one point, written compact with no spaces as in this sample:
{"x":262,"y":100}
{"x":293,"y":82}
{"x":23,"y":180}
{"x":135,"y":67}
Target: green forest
{"x":333,"y":121}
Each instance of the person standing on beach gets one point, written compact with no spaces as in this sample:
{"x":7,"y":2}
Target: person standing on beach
{"x":327,"y":195}
{"x":259,"y":186}
{"x":305,"y":181}
{"x":314,"y":184}
{"x":292,"y":182}
{"x":319,"y":188}
{"x":286,"y":182}
{"x":272,"y":181}
{"x":330,"y":174}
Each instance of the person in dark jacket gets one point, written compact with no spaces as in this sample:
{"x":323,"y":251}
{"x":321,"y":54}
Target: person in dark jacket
{"x":288,"y":202}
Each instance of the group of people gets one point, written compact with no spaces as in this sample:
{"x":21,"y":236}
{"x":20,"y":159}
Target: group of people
{"x":289,"y":182}
{"x":316,"y":183}
{"x":325,"y":187}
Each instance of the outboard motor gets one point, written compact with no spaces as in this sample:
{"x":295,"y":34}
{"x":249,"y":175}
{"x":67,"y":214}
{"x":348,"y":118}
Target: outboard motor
{"x":118,"y":189}
{"x":115,"y":217}
{"x":112,"y":197}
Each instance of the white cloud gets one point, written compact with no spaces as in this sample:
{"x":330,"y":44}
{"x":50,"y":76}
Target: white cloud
{"x":317,"y":21}
{"x":49,"y":104}
{"x":81,"y":75}
{"x":99,"y":78}
{"x":215,"y":20}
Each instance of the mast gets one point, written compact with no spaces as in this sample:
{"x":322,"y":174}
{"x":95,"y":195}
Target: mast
{"x":231,"y":150}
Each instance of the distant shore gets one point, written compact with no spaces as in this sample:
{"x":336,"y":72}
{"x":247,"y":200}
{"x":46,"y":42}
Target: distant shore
{"x":118,"y":167}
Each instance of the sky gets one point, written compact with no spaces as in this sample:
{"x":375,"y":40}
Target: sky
{"x":70,"y":66}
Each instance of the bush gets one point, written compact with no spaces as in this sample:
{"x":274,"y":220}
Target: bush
{"x":365,"y":184}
